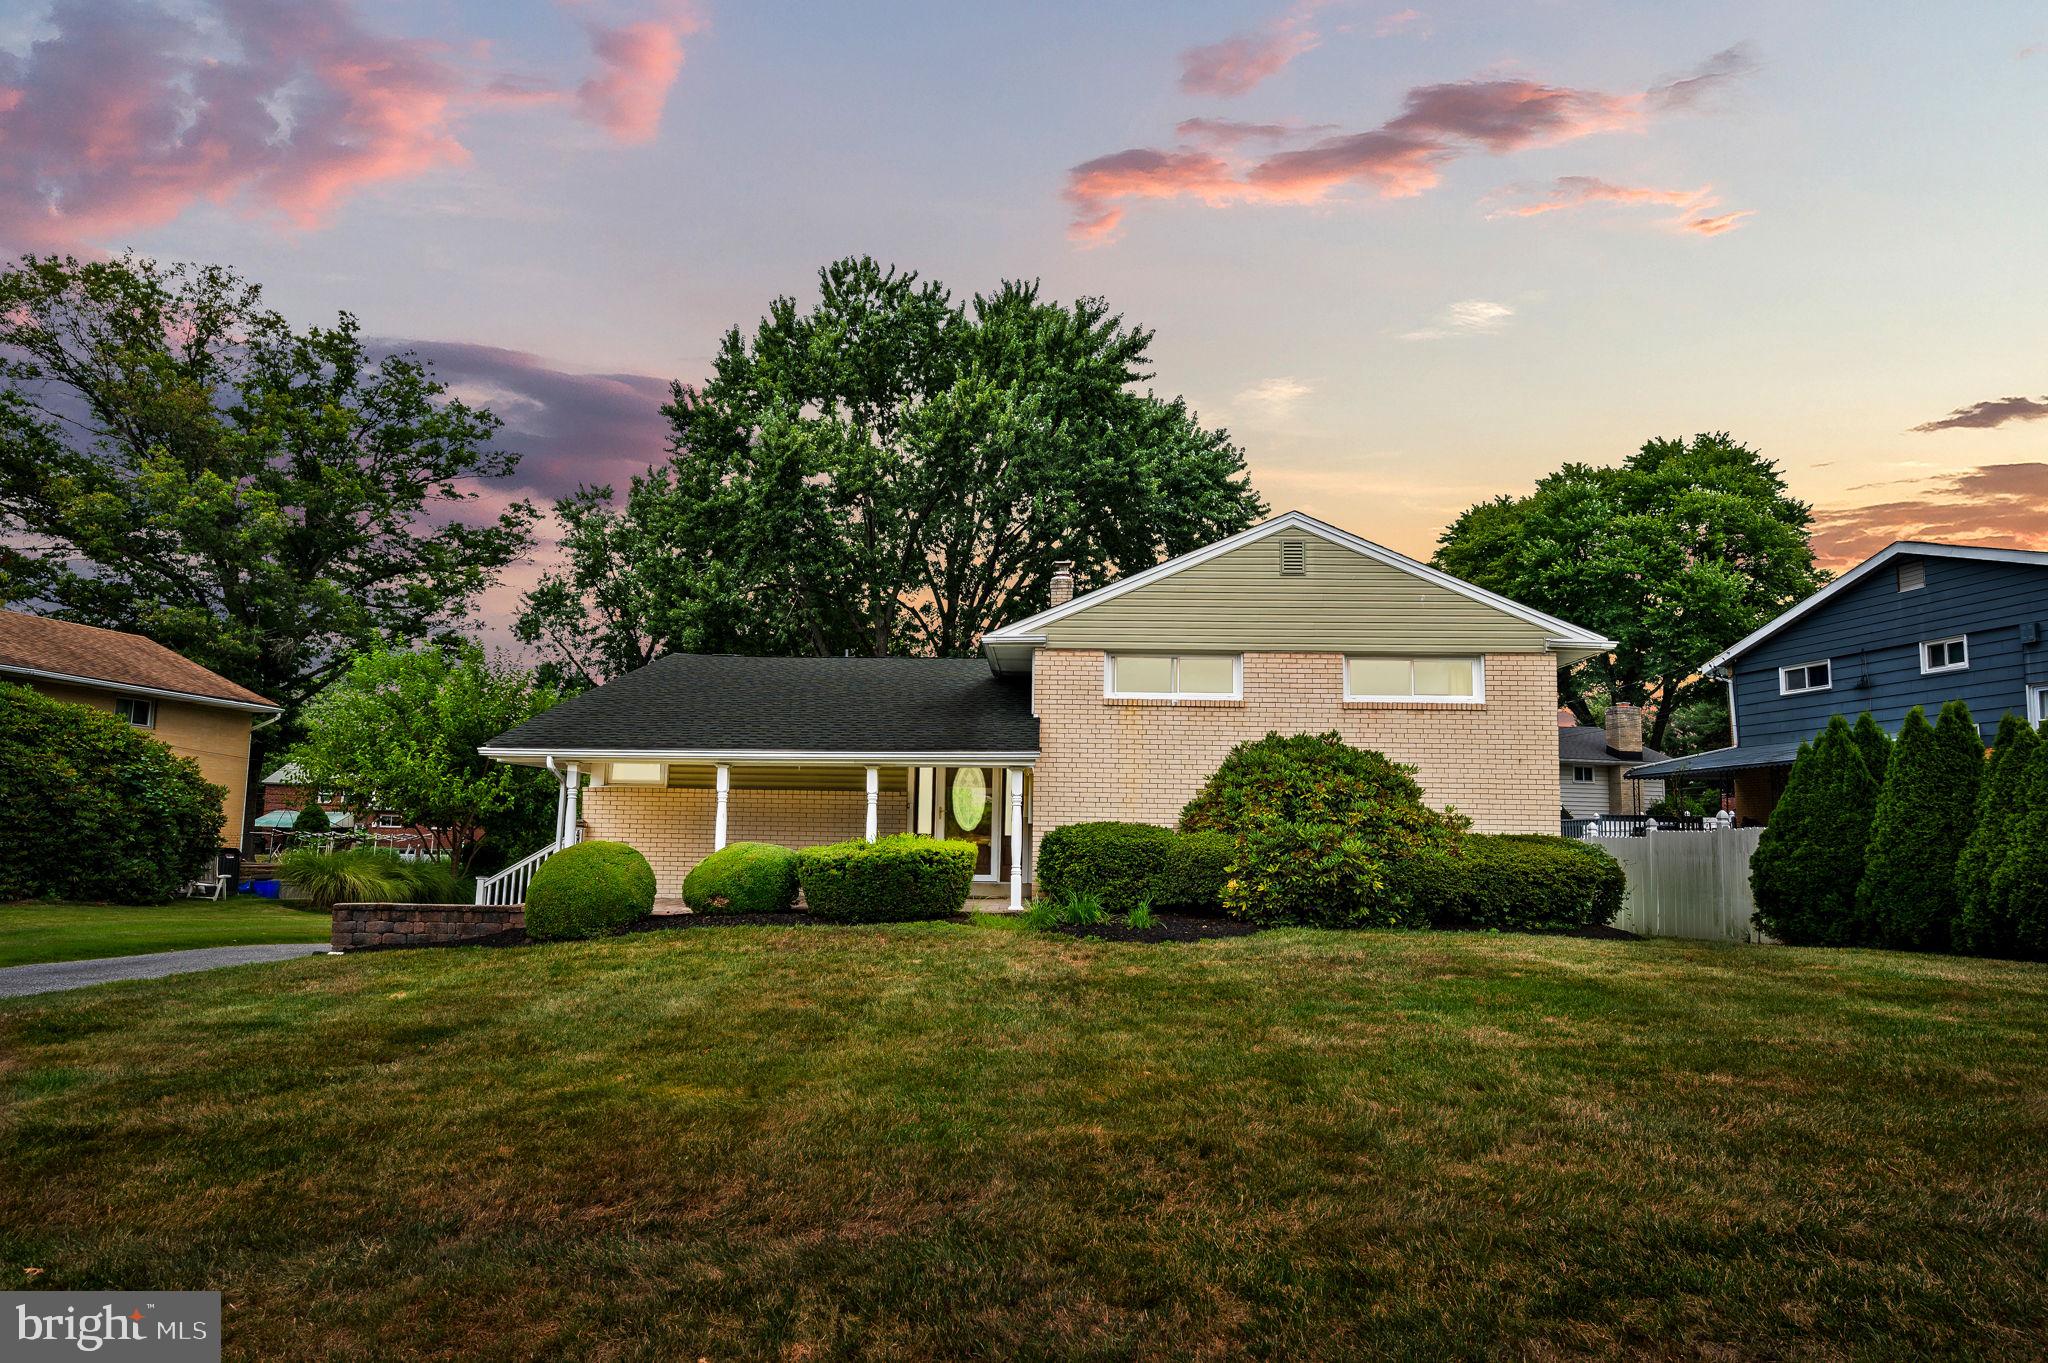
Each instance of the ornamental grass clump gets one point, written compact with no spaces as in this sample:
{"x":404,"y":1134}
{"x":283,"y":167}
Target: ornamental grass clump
{"x":1809,"y":860}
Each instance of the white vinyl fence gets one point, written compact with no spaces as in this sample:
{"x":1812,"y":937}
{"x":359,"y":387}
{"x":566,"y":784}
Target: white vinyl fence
{"x":1687,"y":884}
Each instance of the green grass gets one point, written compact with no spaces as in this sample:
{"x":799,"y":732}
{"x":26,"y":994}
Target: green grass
{"x":942,"y":1141}
{"x":45,"y":931}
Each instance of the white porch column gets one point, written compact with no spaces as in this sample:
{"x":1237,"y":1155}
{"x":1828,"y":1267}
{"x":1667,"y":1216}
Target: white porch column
{"x":724,"y":792}
{"x":561,"y":804}
{"x":1015,"y":777}
{"x":874,"y":799}
{"x":573,"y":804}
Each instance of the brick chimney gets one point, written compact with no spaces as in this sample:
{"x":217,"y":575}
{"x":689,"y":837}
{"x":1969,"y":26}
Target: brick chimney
{"x":1062,"y":582}
{"x":1624,"y":729}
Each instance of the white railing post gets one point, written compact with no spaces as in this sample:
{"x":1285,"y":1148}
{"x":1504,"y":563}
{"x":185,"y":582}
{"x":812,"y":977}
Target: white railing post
{"x":874,"y":799}
{"x":724,"y":784}
{"x":1015,"y":776}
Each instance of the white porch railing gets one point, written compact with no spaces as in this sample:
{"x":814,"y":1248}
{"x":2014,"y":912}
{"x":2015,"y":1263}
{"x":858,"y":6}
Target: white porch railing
{"x":509,"y":885}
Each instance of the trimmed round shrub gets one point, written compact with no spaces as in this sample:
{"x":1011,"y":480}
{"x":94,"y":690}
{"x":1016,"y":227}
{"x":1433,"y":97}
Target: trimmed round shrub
{"x":1127,"y":864}
{"x":896,"y":879}
{"x":312,"y":819}
{"x":92,"y":808}
{"x":743,"y":877}
{"x":1309,"y":776}
{"x":1511,"y":881}
{"x":588,"y":890}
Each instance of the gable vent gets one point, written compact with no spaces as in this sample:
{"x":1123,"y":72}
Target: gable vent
{"x":1912,"y":574}
{"x":1293,"y":558}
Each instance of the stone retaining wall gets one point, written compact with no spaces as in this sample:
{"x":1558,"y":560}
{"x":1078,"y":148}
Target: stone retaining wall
{"x":362,"y":927}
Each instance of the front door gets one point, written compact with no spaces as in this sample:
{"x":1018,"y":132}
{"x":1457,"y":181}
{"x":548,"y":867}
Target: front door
{"x":971,"y":814}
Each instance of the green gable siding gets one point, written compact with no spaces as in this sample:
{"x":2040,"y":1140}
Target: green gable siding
{"x":1345,"y":602}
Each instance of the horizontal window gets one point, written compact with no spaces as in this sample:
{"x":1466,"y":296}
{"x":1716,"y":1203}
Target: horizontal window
{"x":1164,"y":676}
{"x":137,"y":710}
{"x":1945,"y":655}
{"x":1803,"y":677}
{"x":390,"y":821}
{"x":1582,"y":774}
{"x":638,"y":773}
{"x":1413,"y":678}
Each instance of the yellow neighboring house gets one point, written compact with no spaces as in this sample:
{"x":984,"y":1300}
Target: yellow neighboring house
{"x":193,"y":712}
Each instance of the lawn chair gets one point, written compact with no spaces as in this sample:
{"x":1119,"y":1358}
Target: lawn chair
{"x":214,"y":887}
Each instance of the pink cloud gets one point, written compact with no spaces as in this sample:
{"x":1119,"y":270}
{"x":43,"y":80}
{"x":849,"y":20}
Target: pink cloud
{"x":1402,"y":21}
{"x":130,"y":112}
{"x":1988,"y":414}
{"x":1705,"y":80}
{"x":1403,"y":157}
{"x":2005,"y":505}
{"x":1576,"y":191}
{"x":1241,"y":61}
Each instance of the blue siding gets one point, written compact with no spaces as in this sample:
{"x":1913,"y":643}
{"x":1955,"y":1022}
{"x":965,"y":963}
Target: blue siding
{"x":1871,"y":635}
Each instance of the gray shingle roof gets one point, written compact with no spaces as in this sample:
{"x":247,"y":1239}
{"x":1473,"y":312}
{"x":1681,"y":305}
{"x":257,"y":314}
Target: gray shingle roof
{"x":1585,"y":745}
{"x":1720,"y":760}
{"x":719,"y":703}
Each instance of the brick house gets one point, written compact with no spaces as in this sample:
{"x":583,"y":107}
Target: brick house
{"x":1111,"y":704}
{"x":285,"y":792}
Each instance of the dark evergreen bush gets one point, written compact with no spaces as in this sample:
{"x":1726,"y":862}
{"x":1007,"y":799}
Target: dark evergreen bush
{"x":92,"y":808}
{"x":312,"y":818}
{"x":743,"y":877}
{"x":1511,"y":881}
{"x":2019,"y":879}
{"x":588,"y":890}
{"x":1128,"y":864}
{"x":1982,"y":925}
{"x":1906,"y":898}
{"x":895,"y":879}
{"x":1875,"y":745}
{"x":1809,"y":859}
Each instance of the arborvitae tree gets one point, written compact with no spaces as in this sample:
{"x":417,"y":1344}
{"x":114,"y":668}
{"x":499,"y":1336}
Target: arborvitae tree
{"x":1810,"y":856}
{"x":1982,"y":926}
{"x":1907,"y":898}
{"x":1875,"y":745}
{"x":2019,"y":880}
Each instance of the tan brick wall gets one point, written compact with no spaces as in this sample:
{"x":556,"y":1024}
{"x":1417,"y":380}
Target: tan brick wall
{"x":1143,"y":760}
{"x":672,"y":828}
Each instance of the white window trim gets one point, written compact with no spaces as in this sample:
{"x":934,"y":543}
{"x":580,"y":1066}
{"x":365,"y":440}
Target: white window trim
{"x":133,"y":701}
{"x":388,"y":821}
{"x":1785,"y":690}
{"x":2037,"y":704}
{"x":1478,"y":696}
{"x":1962,"y":666}
{"x":1109,"y":691}
{"x":1585,"y":780}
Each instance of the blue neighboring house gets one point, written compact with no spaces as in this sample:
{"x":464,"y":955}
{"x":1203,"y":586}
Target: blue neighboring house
{"x":1916,"y":624}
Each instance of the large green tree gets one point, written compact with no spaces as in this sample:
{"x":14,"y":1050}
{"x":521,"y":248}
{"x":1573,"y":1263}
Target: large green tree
{"x":400,"y":732}
{"x":887,"y":472}
{"x":178,"y":460}
{"x":1675,"y":554}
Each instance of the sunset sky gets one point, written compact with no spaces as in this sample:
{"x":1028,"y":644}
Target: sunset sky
{"x":1412,"y":257}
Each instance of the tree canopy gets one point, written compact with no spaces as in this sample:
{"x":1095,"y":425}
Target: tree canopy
{"x":401,"y":730}
{"x":887,"y":472}
{"x":180,"y":461}
{"x":1675,"y":554}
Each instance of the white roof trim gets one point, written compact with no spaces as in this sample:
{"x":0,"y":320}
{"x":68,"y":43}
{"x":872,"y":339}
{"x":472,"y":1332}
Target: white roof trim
{"x":767,"y":757}
{"x":2031,"y":558}
{"x":1563,"y":634}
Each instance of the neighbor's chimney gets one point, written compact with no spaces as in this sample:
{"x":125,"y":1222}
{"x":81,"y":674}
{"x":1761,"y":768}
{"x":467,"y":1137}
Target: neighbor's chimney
{"x":1062,"y":582}
{"x":1624,"y":729}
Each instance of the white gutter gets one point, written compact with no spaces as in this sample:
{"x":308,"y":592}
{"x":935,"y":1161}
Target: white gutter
{"x":788,"y":757}
{"x":101,"y":683}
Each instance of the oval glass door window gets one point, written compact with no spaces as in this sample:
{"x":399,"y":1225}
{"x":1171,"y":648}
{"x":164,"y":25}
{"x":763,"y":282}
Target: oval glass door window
{"x":970,"y":798}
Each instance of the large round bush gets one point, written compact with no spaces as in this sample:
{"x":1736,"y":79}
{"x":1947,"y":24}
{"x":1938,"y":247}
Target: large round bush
{"x":743,"y":877}
{"x":896,"y":879}
{"x":588,"y":890}
{"x":92,"y":808}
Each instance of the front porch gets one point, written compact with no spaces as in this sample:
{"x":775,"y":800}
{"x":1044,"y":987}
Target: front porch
{"x":678,"y":813}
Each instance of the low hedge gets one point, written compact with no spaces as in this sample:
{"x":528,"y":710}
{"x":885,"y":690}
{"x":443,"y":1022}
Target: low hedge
{"x":896,"y":879}
{"x":588,"y":890}
{"x":1511,"y":880}
{"x":1127,"y":864}
{"x":743,"y":877}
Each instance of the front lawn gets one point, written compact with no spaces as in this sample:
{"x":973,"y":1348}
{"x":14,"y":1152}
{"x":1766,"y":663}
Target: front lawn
{"x":42,"y":930}
{"x":945,"y":1141}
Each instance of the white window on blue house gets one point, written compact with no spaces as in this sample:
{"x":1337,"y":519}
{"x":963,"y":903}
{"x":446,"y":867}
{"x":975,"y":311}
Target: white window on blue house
{"x":1800,"y":678}
{"x":1945,"y":655}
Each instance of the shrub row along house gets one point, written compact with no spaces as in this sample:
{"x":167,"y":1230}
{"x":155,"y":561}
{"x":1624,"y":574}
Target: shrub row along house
{"x":193,"y":712}
{"x":1115,"y":704}
{"x":1916,"y":624}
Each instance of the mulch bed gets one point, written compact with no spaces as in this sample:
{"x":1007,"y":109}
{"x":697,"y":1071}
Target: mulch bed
{"x":657,"y":922}
{"x":1166,"y":927}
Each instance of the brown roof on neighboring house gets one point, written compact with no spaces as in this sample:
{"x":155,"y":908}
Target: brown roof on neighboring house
{"x":36,"y":643}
